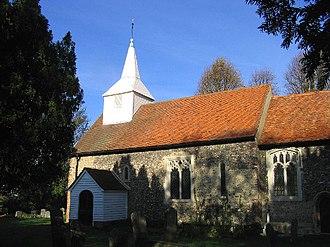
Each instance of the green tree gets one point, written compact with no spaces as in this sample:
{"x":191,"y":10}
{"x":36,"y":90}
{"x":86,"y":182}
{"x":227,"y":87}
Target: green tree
{"x":296,"y":80}
{"x":81,"y":122}
{"x":40,"y":94}
{"x":220,"y":76}
{"x":306,"y":24}
{"x":264,"y":76}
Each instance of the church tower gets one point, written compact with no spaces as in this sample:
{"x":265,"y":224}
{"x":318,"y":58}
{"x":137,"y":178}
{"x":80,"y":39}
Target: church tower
{"x":125,"y":97}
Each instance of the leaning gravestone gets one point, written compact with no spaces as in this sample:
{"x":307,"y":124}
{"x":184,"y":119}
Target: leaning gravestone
{"x":171,"y":226}
{"x":139,"y":225}
{"x":18,"y":214}
{"x":271,"y":234}
{"x":43,"y":213}
{"x":47,"y":215}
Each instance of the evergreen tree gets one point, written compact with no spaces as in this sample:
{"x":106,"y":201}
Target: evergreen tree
{"x":306,"y":24}
{"x":40,"y":94}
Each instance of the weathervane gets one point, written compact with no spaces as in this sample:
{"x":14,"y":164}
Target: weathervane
{"x":132,"y":31}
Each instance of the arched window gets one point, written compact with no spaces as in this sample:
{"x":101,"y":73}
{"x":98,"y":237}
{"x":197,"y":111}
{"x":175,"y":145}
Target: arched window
{"x":185,"y":183}
{"x":179,"y":178}
{"x":279,"y":180}
{"x":284,"y":174}
{"x":126,"y":173}
{"x":175,"y":191}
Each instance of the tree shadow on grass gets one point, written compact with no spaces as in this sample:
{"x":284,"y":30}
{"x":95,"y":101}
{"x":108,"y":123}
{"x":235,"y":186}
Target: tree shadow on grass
{"x":25,"y":232}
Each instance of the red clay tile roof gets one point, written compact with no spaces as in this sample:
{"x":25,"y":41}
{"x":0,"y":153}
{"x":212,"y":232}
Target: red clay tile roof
{"x":219,"y":116}
{"x":297,"y":118}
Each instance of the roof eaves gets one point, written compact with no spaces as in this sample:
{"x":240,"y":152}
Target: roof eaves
{"x":166,"y":147}
{"x":267,"y":146}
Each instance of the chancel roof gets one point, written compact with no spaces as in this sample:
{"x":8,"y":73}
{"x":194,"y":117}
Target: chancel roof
{"x":297,"y":118}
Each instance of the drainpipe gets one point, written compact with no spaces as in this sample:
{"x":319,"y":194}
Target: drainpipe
{"x":77,"y":164}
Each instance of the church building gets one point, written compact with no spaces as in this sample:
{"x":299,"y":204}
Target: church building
{"x":235,"y":157}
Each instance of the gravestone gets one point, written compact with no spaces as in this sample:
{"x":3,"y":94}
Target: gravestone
{"x":47,"y":214}
{"x":77,"y":236}
{"x":171,"y":226}
{"x":111,"y":242}
{"x":43,"y":213}
{"x":59,"y":231}
{"x":33,"y":214}
{"x":18,"y":214}
{"x":294,"y":231}
{"x":63,"y":212}
{"x":139,"y":225}
{"x":271,"y":234}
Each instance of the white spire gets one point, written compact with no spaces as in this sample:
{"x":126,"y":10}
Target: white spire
{"x":130,"y":78}
{"x":125,"y":97}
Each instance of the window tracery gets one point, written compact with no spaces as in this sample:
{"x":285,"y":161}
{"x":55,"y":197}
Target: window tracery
{"x":179,"y":178}
{"x":284,"y":174}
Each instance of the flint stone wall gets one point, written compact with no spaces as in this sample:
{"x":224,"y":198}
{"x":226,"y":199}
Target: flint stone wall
{"x":148,"y":172}
{"x":315,"y":179}
{"x":246,"y":183}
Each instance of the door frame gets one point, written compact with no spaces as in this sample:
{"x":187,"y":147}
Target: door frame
{"x":86,"y":214}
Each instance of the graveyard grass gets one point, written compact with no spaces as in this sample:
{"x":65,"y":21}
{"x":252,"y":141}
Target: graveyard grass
{"x":36,"y":232}
{"x":28,"y":232}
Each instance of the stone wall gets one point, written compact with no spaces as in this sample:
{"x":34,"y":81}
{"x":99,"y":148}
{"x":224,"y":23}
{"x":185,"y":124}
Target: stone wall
{"x":315,"y":179}
{"x":246,"y":199}
{"x":148,"y":171}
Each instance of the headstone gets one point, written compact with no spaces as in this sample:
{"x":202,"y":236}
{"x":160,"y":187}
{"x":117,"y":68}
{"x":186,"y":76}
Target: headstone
{"x":33,"y":213}
{"x":111,"y":242}
{"x":43,"y":213}
{"x":18,"y":214}
{"x":63,"y":212}
{"x":139,"y":225}
{"x":47,"y":214}
{"x":294,"y":231}
{"x":271,"y":234}
{"x":59,"y":230}
{"x":171,"y":226}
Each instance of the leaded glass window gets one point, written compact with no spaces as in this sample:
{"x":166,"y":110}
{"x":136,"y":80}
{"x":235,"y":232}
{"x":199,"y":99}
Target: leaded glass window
{"x":291,"y":172}
{"x":278,"y":180}
{"x":175,"y":184}
{"x":284,"y":174}
{"x":185,"y":183}
{"x":179,"y":178}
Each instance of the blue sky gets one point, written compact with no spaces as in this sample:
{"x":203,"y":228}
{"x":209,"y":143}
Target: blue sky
{"x":174,"y":40}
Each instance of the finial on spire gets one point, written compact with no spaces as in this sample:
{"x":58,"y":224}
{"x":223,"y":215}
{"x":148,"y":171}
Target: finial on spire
{"x":132,"y":31}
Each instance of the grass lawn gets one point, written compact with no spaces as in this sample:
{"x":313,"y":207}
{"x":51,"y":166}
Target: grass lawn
{"x":25,"y":232}
{"x":37,"y":233}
